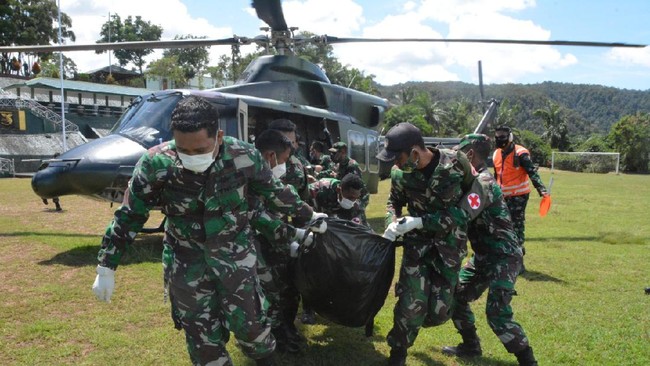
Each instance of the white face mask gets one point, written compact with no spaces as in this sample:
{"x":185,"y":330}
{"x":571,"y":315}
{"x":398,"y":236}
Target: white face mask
{"x":279,"y":169}
{"x":346,"y":204}
{"x":197,"y":163}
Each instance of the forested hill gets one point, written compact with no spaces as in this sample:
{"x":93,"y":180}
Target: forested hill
{"x":587,"y":108}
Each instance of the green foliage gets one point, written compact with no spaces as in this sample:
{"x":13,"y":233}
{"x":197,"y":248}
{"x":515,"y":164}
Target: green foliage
{"x":131,"y":30}
{"x":585,"y":163}
{"x":631,"y":137}
{"x":193,"y":60}
{"x":229,"y":69}
{"x":595,"y":143}
{"x":586,"y":108}
{"x":407,"y":113}
{"x":50,"y":67}
{"x":556,"y":132}
{"x":32,"y":22}
{"x":508,"y":113}
{"x":540,"y":150}
{"x":168,"y":68}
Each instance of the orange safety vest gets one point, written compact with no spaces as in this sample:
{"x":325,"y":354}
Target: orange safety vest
{"x":512,"y":178}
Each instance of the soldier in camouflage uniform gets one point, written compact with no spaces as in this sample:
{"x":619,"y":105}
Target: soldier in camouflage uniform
{"x":275,"y":237}
{"x":494,"y":264}
{"x":339,"y":198}
{"x":295,"y":176}
{"x":344,"y":165}
{"x":202,"y":181}
{"x":318,"y":159}
{"x":426,"y":180}
{"x":512,"y":168}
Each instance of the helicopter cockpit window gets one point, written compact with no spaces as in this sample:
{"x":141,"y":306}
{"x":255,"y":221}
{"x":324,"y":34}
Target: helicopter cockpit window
{"x":148,"y":122}
{"x":357,"y":148}
{"x":373,"y":147}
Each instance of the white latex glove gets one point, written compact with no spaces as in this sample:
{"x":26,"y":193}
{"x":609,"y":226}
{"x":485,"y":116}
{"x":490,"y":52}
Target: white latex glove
{"x":293,"y":249}
{"x":318,"y":215}
{"x":408,"y":223}
{"x":104,"y":283}
{"x":304,"y":237}
{"x":320,"y":226}
{"x":391,"y":233}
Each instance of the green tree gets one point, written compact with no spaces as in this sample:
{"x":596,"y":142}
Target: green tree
{"x":407,"y":113}
{"x":432,"y":112}
{"x":193,"y":60}
{"x":595,"y":143}
{"x":168,"y":68}
{"x":32,"y":22}
{"x":507,"y":114}
{"x":230,"y":68}
{"x":130,"y":30}
{"x":50,"y":67}
{"x":460,"y":118}
{"x":556,"y":129}
{"x":631,"y":137}
{"x":540,"y":150}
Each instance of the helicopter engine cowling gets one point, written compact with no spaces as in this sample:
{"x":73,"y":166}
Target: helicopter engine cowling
{"x":99,"y":168}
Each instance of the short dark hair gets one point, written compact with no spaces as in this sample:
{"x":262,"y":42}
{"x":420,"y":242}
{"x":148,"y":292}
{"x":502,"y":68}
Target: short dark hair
{"x":193,"y":114}
{"x":481,"y":148}
{"x":272,"y":140}
{"x":351,"y":181}
{"x":283,"y":124}
{"x":318,"y":146}
{"x":503,"y":128}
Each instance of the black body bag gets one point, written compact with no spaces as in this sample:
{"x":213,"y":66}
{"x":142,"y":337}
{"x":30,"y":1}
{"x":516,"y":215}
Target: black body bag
{"x":345,"y":274}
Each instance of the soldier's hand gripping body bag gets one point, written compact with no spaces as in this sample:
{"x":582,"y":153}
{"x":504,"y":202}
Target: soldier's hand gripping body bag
{"x":345,"y":274}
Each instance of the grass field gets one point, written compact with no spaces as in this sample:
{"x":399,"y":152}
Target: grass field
{"x":581,"y":302}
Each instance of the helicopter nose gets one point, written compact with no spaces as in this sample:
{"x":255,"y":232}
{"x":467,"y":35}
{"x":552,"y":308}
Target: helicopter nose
{"x":52,"y":181}
{"x":89,"y":169}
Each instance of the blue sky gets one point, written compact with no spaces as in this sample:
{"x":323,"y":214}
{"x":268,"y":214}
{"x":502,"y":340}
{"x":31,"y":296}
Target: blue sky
{"x":596,"y":20}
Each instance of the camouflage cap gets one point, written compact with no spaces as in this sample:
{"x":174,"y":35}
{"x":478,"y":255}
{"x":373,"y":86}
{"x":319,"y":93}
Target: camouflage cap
{"x":471,"y":139}
{"x":338,"y":146}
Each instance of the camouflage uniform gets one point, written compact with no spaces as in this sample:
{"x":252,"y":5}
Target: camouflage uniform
{"x":273,"y":237}
{"x":494,"y":265}
{"x":325,"y":198}
{"x":517,"y":204}
{"x":431,"y":257}
{"x":340,"y":170}
{"x":209,"y":260}
{"x":325,"y":161}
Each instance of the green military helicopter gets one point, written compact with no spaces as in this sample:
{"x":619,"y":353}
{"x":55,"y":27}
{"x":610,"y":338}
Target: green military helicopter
{"x":272,"y":86}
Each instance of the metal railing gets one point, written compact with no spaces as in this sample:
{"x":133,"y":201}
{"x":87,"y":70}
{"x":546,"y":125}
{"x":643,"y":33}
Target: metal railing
{"x":7,"y":167}
{"x":10,"y":100}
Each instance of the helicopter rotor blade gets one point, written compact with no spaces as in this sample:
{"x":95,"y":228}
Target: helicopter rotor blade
{"x":270,"y":11}
{"x":331,"y":39}
{"x":179,"y":43}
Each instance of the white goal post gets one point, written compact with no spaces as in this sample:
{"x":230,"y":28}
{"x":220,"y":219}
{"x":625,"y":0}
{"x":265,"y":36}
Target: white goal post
{"x":577,"y":154}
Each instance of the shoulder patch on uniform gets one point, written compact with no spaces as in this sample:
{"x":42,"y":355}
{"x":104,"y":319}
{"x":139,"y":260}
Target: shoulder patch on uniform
{"x":474,"y":200}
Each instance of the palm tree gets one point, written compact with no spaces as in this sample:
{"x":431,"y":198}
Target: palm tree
{"x":556,"y":129}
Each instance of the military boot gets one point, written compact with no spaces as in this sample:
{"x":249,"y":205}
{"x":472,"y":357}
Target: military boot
{"x":470,"y":347}
{"x":397,"y":357}
{"x":526,"y":357}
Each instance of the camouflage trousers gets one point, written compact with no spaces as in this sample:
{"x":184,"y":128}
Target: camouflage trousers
{"x":428,"y":277}
{"x":214,"y":293}
{"x":274,"y":270}
{"x":517,"y":208}
{"x":498,"y":276}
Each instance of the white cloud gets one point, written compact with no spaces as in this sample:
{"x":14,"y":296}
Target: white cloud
{"x":636,"y":56}
{"x":89,"y":15}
